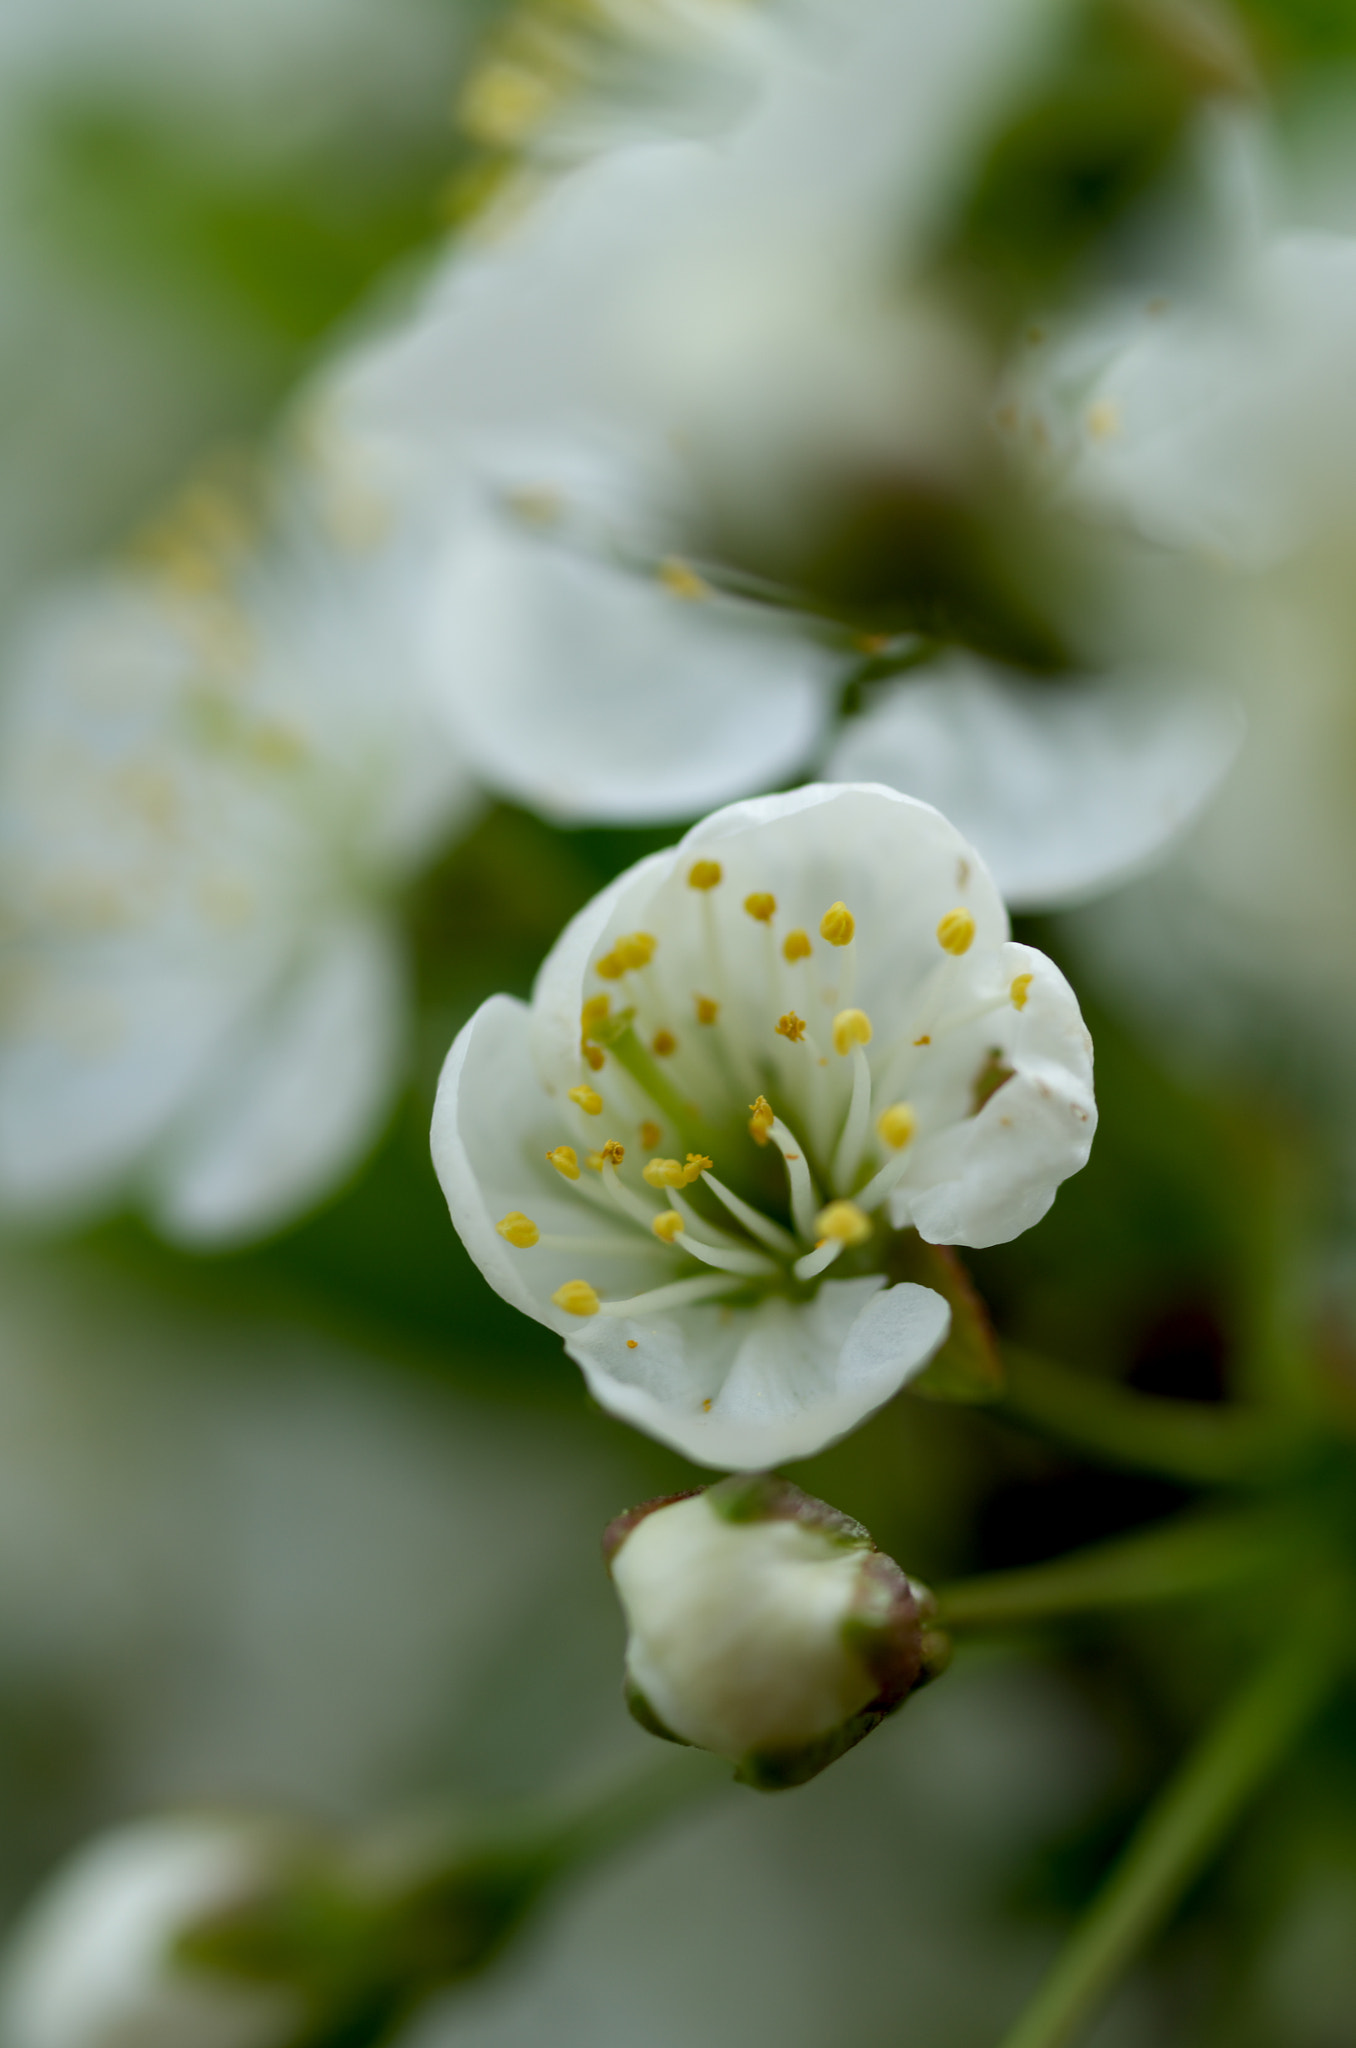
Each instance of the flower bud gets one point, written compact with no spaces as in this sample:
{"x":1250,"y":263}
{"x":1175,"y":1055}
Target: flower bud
{"x":93,"y":1962}
{"x":765,"y":1626}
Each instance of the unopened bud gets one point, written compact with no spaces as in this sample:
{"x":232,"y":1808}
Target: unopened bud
{"x":764,"y":1626}
{"x":93,"y":1964}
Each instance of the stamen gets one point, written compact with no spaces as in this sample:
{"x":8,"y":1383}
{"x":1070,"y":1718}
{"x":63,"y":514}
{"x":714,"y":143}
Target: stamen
{"x":956,"y":932}
{"x":761,"y":1120}
{"x":791,"y":1026}
{"x":565,"y":1161}
{"x":650,"y":1135}
{"x":697,"y":1164}
{"x":636,"y":950}
{"x":663,"y":1043}
{"x":825,"y":1252}
{"x":707,"y":1009}
{"x":588,"y":1099}
{"x":594,"y":1162}
{"x":845,"y":1221}
{"x":594,"y":1012}
{"x":518,"y":1230}
{"x":667,"y":1225}
{"x":804,"y":1201}
{"x":754,"y":1221}
{"x":796,"y":946}
{"x":663,"y":1173}
{"x":609,"y":967}
{"x":847,"y":1158}
{"x":625,"y":1198}
{"x":850,"y":1028}
{"x":613,"y":1153}
{"x":705,"y":874}
{"x":752,"y":1265}
{"x":682,"y":580}
{"x":837,"y":925}
{"x":897,"y":1125}
{"x":1021,"y":984}
{"x":577,"y":1298}
{"x":761,"y":907}
{"x":676,"y":1295}
{"x":595,"y":1056}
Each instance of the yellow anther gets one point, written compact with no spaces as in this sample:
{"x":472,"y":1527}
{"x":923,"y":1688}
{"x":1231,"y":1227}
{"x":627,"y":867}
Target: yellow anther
{"x":796,"y":946}
{"x":791,"y":1026}
{"x":956,"y":932}
{"x":837,"y":925}
{"x":610,"y":967}
{"x":517,"y":1229}
{"x":761,"y":1119}
{"x":663,"y":1043}
{"x":697,"y":1165}
{"x":682,"y":580}
{"x":1021,"y":984}
{"x":588,"y":1099}
{"x":577,"y":1298}
{"x":705,"y":874}
{"x":1104,"y":420}
{"x":845,"y":1221}
{"x":632,"y":1343}
{"x":595,"y":1012}
{"x":635,"y":950}
{"x":897,"y":1125}
{"x":613,"y":1153}
{"x":851,"y":1027}
{"x":595,"y":1056}
{"x":667,"y":1225}
{"x":926,"y":1039}
{"x":537,"y":504}
{"x":594,"y":1162}
{"x":707,"y":1405}
{"x":761,"y":907}
{"x":663,"y":1173}
{"x":565,"y":1160}
{"x":650,"y":1134}
{"x":707,"y":1009}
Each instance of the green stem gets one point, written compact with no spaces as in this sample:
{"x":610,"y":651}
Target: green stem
{"x":1181,"y":1832}
{"x":1189,"y":1555}
{"x":1181,"y":1439}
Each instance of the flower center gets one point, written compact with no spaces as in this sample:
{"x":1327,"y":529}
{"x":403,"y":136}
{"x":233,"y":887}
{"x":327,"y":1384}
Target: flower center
{"x":808,"y":1165}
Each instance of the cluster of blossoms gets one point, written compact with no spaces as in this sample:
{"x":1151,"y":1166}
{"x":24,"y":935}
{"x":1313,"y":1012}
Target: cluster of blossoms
{"x":747,"y":1066}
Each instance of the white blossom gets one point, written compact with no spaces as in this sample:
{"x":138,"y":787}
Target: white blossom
{"x":743,"y":1060}
{"x":213,"y":775}
{"x":680,"y":338}
{"x":1067,"y":787}
{"x":763,"y":1625}
{"x":90,"y":1964}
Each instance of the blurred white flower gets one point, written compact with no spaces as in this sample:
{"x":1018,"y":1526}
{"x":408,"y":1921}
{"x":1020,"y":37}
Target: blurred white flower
{"x":1221,"y":427}
{"x":1066,"y":787}
{"x":212,"y":778}
{"x":763,"y":1625}
{"x":90,"y":1965}
{"x":679,"y":336}
{"x":822,"y":1020}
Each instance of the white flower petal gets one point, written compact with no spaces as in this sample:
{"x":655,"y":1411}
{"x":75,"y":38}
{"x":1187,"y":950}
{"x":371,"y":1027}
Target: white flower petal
{"x":492,"y":1128}
{"x":589,"y":690}
{"x":988,"y":1177}
{"x":1066,"y":788}
{"x":785,"y":1381}
{"x":295,"y":1098}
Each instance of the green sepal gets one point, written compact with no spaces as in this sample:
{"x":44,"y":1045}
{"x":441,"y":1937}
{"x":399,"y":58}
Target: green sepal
{"x":639,"y":1708}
